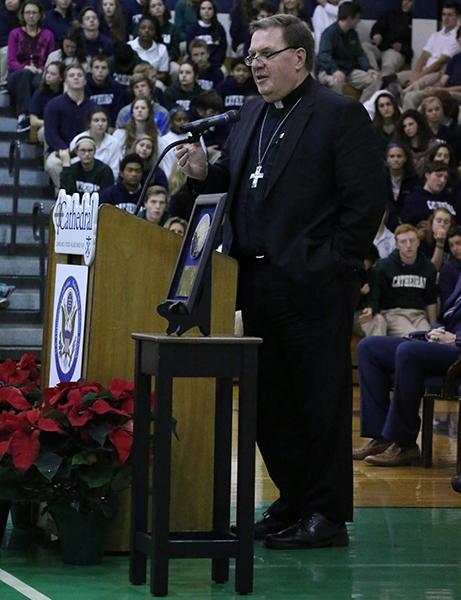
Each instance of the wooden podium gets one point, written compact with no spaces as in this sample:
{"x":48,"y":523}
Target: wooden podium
{"x":128,"y":278}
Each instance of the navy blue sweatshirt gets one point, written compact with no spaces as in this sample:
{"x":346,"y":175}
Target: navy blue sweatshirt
{"x":111,"y":95}
{"x":418,"y":206}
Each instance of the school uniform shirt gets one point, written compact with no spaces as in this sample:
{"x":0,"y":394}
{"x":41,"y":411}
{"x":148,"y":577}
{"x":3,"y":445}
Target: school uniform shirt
{"x":156,"y":55}
{"x":233,"y":93}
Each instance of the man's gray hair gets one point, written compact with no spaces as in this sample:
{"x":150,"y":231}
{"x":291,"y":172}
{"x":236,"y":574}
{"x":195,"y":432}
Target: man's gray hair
{"x":296,"y":34}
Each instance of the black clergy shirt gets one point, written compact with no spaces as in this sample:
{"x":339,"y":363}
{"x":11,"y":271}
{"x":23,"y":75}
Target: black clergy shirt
{"x":247,"y":209}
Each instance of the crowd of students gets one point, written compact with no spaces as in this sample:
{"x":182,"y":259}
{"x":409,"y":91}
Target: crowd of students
{"x":108,"y":84}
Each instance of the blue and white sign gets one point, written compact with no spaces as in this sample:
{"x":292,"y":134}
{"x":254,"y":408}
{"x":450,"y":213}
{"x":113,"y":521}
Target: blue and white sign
{"x":69,"y":309}
{"x":75,"y":220}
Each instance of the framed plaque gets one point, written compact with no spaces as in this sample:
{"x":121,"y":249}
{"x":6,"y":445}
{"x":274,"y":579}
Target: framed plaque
{"x":190,"y":285}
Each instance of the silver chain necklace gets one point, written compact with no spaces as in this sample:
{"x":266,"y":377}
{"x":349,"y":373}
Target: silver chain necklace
{"x":258,"y":174}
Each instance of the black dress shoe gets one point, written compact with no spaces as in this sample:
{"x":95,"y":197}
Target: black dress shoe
{"x":267,"y":525}
{"x":315,"y":531}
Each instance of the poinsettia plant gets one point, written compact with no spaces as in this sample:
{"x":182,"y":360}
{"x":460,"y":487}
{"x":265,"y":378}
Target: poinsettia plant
{"x":74,"y":446}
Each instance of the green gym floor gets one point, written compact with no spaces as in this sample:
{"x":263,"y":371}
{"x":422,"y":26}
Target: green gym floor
{"x":395,"y":553}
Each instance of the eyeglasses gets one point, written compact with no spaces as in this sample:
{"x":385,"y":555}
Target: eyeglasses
{"x":31,"y":12}
{"x":264,"y":57}
{"x":85,"y":150}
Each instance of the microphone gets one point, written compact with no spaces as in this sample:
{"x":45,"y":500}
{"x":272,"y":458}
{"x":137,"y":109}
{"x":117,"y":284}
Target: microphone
{"x":232,"y":116}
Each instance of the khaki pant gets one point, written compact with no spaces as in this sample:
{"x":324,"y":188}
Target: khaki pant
{"x":388,"y":62}
{"x":53,"y":166}
{"x":360,"y":80}
{"x":396,"y":322}
{"x":412,"y":97}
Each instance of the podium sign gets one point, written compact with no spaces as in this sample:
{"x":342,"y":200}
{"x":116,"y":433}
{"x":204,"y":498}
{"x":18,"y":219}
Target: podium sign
{"x":69,"y":309}
{"x":75,"y":221}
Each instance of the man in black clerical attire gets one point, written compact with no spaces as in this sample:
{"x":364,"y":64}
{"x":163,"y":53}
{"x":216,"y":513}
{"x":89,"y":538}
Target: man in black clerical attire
{"x":303,"y":170}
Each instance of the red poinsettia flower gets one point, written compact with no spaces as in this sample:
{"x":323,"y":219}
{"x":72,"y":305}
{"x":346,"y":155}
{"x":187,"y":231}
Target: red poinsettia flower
{"x":102,"y":407}
{"x":7,"y":370}
{"x":122,"y":439}
{"x":13,"y":397}
{"x":77,"y":415}
{"x":24,"y":443}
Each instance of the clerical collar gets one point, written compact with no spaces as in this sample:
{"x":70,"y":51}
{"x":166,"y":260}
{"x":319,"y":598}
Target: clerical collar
{"x":293,"y":96}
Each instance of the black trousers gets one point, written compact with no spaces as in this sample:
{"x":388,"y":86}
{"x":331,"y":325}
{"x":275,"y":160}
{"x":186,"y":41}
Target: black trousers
{"x":304,"y":385}
{"x":21,"y":85}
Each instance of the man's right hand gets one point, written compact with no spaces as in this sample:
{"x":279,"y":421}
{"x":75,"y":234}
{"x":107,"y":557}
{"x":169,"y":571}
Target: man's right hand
{"x":339,"y":76}
{"x":366,"y":315}
{"x":192,"y":161}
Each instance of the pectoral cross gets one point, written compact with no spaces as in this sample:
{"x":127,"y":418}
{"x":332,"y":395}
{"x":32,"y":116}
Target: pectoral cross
{"x":256,"y":176}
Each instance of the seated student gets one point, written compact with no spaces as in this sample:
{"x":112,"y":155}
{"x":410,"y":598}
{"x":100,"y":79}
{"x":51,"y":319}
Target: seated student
{"x":149,"y":48}
{"x":178,"y":118}
{"x":146,"y":147}
{"x":71,"y":51}
{"x":142,"y":87}
{"x":237,"y":86}
{"x":324,"y":15}
{"x":88,"y":174}
{"x":263,"y":9}
{"x":210,"y":104}
{"x":28,"y":47}
{"x":403,"y":291}
{"x":97,"y":123}
{"x":184,"y":90}
{"x":433,"y":235}
{"x":103,"y":90}
{"x":361,"y":322}
{"x":132,"y":10}
{"x":112,"y":20}
{"x":155,"y":204}
{"x":451,"y":269}
{"x":184,"y":15}
{"x":387,"y":114}
{"x":140,"y":122}
{"x":419,"y":205}
{"x":125,"y":193}
{"x":432,"y":109}
{"x":209,"y":29}
{"x":122,"y":63}
{"x":176,"y":225}
{"x":95,"y":41}
{"x":60,"y":18}
{"x":450,"y":79}
{"x":400,"y":364}
{"x":65,"y":117}
{"x":9,"y":20}
{"x":437,"y":51}
{"x":390,"y":40}
{"x":170,"y":37}
{"x":295,"y":8}
{"x":402,"y":180}
{"x":413,"y":131}
{"x":241,"y":15}
{"x":50,"y":86}
{"x":341,"y":58}
{"x":209,"y":76}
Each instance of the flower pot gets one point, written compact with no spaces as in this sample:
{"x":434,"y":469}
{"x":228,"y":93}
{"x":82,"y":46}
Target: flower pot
{"x":4,"y":511}
{"x":24,"y":514}
{"x":81,"y":534}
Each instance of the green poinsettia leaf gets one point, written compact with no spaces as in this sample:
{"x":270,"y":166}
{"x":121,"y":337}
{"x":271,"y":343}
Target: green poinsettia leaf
{"x":98,"y":475}
{"x":48,"y":464}
{"x":84,"y":458}
{"x":121,"y":480}
{"x":100,"y":431}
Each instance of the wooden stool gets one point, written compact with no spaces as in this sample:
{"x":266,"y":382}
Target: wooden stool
{"x":222,"y":358}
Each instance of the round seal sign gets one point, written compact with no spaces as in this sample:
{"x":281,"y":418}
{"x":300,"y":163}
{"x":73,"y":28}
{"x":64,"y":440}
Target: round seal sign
{"x":67,"y":330}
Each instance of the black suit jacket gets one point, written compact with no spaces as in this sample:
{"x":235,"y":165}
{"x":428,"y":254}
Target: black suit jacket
{"x":326,"y":193}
